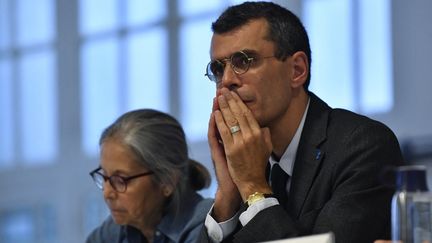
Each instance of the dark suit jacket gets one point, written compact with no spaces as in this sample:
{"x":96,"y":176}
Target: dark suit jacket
{"x":335,"y":184}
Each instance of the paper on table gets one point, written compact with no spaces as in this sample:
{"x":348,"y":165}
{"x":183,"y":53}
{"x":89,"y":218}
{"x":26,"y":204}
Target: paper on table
{"x":319,"y":238}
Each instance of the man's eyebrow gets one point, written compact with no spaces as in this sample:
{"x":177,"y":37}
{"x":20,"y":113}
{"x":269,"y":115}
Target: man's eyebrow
{"x":247,"y":51}
{"x":250,"y":51}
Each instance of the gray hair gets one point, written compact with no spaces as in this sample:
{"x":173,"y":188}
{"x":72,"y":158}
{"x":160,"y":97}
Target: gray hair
{"x":159,"y":144}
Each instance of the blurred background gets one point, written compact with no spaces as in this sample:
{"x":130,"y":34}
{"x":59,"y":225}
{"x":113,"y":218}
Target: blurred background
{"x":68,"y":68}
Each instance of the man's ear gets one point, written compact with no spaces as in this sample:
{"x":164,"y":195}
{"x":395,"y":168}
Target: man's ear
{"x":301,"y":69}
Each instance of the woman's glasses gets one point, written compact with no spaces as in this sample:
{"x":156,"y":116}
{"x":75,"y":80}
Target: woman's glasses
{"x":118,"y":183}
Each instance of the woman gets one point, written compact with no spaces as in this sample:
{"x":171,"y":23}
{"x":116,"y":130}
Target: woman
{"x":148,"y":181}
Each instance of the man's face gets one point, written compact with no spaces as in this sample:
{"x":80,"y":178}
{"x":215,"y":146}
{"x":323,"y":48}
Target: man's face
{"x":266,"y":87}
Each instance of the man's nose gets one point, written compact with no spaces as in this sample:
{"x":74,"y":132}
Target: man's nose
{"x":230,"y":78}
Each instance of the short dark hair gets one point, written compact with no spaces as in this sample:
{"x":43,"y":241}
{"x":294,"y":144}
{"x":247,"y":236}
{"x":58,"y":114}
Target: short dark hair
{"x":285,"y":28}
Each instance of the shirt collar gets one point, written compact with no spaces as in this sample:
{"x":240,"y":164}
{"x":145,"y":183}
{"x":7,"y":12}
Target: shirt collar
{"x":286,"y":162}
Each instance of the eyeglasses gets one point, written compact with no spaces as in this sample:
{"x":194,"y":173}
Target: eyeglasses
{"x":240,"y":63}
{"x":118,"y":183}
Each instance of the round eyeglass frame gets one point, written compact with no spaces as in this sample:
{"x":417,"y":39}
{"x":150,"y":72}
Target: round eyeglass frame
{"x":239,"y":67}
{"x":222,"y":63}
{"x":117,"y":182}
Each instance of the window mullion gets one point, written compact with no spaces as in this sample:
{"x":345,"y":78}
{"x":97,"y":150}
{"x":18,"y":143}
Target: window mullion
{"x":67,"y":76}
{"x":356,"y":62}
{"x":173,"y":25}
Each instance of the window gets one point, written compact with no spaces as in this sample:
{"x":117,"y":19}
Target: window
{"x":36,"y":224}
{"x":6,"y":122}
{"x":27,"y":82}
{"x":95,"y":212}
{"x":124,"y":62}
{"x":38,"y":107}
{"x":197,"y":91}
{"x":351,"y":53}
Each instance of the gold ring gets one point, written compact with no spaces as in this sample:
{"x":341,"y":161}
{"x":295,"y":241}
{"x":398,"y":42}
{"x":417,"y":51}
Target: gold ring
{"x":235,"y":129}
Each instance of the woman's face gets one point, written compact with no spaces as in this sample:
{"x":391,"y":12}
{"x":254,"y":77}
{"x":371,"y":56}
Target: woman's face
{"x":143,"y":201}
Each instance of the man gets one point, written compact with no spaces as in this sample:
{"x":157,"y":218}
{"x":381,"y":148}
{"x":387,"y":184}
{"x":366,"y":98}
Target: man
{"x":264,"y":118}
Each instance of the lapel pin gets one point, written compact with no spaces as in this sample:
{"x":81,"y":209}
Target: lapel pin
{"x":318,"y":154}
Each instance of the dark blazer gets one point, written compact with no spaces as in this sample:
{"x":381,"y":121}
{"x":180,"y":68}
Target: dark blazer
{"x":336,"y":183}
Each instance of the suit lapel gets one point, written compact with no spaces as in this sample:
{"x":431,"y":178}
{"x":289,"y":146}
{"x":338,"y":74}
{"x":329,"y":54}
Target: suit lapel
{"x":309,"y":154}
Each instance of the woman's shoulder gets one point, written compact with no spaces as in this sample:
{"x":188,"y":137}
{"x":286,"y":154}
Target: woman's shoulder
{"x":195,"y":208}
{"x":202,"y":208}
{"x":108,"y":231}
{"x":184,"y":223}
{"x":200,"y":212}
{"x":193,"y":227}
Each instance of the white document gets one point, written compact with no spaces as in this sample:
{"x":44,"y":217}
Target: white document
{"x":319,"y":238}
